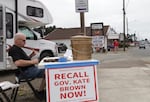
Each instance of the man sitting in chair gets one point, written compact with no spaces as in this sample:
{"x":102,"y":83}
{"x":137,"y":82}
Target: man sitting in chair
{"x":23,"y":61}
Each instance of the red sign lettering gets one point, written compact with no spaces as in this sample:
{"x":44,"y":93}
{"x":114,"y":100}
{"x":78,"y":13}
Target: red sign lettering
{"x":70,"y":75}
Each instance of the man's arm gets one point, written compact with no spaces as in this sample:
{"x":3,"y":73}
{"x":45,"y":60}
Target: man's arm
{"x":24,"y":63}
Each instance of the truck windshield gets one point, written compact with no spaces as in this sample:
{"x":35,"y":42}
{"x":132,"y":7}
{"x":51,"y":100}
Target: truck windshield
{"x":29,"y":34}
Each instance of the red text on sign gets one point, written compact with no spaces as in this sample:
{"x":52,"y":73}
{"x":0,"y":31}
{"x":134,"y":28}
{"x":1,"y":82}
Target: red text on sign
{"x":72,"y":88}
{"x":81,"y":81}
{"x":65,"y":82}
{"x":70,"y":75}
{"x":74,"y":94}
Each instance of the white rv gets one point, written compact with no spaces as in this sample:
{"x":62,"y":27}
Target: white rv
{"x":23,"y":16}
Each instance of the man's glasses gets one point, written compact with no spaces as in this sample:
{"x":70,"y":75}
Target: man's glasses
{"x":23,"y":40}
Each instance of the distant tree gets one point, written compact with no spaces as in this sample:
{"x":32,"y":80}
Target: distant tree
{"x":44,"y":30}
{"x":49,"y":29}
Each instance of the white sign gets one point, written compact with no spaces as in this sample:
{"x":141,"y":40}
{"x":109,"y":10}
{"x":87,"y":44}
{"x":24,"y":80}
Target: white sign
{"x":81,"y":5}
{"x":73,"y":84}
{"x":98,"y":41}
{"x":97,"y":26}
{"x":121,"y":37}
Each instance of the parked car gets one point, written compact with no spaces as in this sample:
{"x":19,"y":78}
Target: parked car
{"x":142,"y":45}
{"x":61,"y":47}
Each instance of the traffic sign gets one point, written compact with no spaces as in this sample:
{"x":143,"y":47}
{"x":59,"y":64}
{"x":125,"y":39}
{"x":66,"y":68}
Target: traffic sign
{"x":81,"y":5}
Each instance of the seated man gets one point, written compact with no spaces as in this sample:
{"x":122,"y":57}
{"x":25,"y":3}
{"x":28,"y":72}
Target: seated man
{"x":23,"y":61}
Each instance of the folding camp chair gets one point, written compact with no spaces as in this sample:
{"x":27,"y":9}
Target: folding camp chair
{"x":19,"y":81}
{"x":5,"y":86}
{"x":25,"y":80}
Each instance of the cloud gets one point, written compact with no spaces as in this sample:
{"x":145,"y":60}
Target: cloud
{"x":107,"y":11}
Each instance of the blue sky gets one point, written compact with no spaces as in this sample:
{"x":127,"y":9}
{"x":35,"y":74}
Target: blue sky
{"x":107,"y":11}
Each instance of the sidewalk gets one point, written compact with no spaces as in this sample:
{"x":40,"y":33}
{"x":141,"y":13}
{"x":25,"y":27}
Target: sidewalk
{"x":124,"y":84}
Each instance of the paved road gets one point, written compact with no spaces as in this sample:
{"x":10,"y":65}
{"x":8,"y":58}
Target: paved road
{"x":121,"y":77}
{"x":125,"y":77}
{"x":132,"y":57}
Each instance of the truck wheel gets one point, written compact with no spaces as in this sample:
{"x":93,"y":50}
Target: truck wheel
{"x":46,"y":54}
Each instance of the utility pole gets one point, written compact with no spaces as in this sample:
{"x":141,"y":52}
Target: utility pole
{"x":82,"y":23}
{"x":127,"y":26}
{"x":124,"y":13}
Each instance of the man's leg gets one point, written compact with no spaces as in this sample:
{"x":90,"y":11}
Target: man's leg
{"x":34,"y":72}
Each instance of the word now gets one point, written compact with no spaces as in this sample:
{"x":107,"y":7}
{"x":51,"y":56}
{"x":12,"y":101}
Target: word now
{"x":75,"y":94}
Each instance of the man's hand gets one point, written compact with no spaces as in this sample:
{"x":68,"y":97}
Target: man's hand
{"x":35,"y":61}
{"x":33,"y":53}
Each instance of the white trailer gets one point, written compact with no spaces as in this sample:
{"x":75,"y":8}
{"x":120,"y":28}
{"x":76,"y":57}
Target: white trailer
{"x":23,"y":16}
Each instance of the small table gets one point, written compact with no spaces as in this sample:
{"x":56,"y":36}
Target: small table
{"x":71,"y":81}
